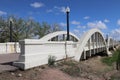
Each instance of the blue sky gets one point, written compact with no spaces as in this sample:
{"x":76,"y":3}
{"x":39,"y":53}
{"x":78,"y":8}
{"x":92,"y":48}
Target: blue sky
{"x":84,"y":14}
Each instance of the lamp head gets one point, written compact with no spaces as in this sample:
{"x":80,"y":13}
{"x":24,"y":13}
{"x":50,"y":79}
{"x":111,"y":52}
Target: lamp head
{"x":67,"y":9}
{"x":11,"y":19}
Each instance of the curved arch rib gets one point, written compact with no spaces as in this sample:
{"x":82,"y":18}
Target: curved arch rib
{"x":83,"y":42}
{"x":51,"y":35}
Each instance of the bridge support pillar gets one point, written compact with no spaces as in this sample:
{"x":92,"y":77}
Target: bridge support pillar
{"x":84,"y":54}
{"x":63,"y":37}
{"x":89,"y":41}
{"x":94,"y":38}
{"x":97,"y":42}
{"x":94,"y":51}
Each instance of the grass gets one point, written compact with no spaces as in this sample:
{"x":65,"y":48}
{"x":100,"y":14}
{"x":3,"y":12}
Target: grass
{"x":110,"y":60}
{"x":69,"y":62}
{"x":115,"y":78}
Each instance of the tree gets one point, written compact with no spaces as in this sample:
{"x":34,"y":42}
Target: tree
{"x":3,"y":30}
{"x":38,"y":30}
{"x":44,"y":29}
{"x":24,"y":29}
{"x":18,"y":29}
{"x":30,"y":28}
{"x":55,"y":27}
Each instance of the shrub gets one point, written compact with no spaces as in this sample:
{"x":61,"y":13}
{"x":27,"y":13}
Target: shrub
{"x":107,"y":60}
{"x":118,"y":61}
{"x":115,"y":78}
{"x":51,"y":60}
{"x":110,"y":60}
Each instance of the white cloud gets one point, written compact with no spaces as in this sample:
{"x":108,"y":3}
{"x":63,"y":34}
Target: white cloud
{"x":63,"y":24}
{"x":106,"y":21}
{"x":2,"y":13}
{"x":56,"y":7}
{"x":86,"y":17}
{"x":79,"y":27}
{"x":75,"y":22}
{"x":116,"y":34}
{"x":37,"y":4}
{"x":77,"y":32}
{"x":61,"y":9}
{"x":118,"y":22}
{"x":97,"y":24}
{"x":116,"y":31}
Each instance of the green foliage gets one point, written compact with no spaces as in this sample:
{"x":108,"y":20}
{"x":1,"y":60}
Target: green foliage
{"x":118,"y":58}
{"x":110,"y":60}
{"x":51,"y":60}
{"x":118,"y":61}
{"x":115,"y":78}
{"x":44,"y":28}
{"x":3,"y":30}
{"x":24,"y":29}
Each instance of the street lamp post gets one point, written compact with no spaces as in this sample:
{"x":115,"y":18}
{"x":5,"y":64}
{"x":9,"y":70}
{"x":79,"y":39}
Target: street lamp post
{"x":67,"y":15}
{"x":11,"y":30}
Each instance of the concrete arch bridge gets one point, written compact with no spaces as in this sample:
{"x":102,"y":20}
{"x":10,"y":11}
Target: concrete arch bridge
{"x":36,"y":52}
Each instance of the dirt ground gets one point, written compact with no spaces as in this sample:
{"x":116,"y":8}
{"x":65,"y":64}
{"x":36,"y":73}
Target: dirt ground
{"x":91,"y":69}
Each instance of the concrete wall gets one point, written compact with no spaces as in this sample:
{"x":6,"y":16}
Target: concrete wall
{"x":9,"y":47}
{"x":35,"y":52}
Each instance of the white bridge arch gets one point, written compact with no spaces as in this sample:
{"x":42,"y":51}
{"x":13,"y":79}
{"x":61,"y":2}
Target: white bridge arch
{"x":38,"y":50}
{"x":86,"y":39}
{"x":50,"y":36}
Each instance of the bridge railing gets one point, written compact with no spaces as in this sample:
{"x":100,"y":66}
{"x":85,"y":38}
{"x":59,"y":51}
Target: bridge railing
{"x":39,"y":52}
{"x":9,"y":47}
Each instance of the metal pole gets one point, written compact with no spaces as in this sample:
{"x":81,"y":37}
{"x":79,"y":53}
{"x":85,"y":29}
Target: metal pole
{"x":10,"y":31}
{"x":68,"y":38}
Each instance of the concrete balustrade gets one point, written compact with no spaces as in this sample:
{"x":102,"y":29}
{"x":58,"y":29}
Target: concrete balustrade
{"x":9,"y":47}
{"x":36,"y":52}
